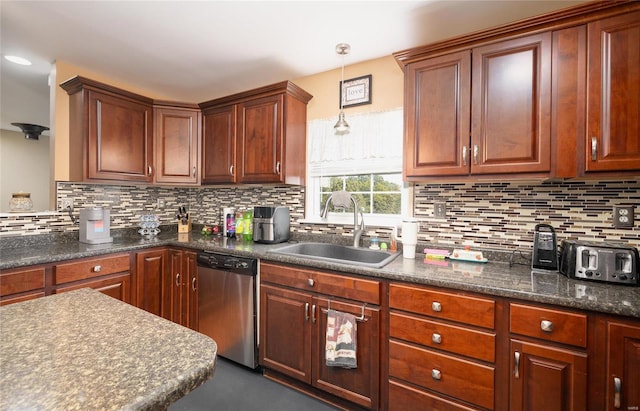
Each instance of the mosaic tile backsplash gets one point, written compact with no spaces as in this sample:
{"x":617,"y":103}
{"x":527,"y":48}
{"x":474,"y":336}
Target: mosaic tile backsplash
{"x":486,"y":215}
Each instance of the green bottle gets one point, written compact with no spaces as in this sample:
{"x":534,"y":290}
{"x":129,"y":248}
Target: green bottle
{"x":248,"y":225}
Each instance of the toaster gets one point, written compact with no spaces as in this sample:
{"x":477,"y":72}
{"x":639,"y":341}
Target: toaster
{"x":600,"y":262}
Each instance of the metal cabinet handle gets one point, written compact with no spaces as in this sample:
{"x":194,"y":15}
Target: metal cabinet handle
{"x":617,"y":388}
{"x":310,"y":282}
{"x":278,"y":168}
{"x":193,"y":284}
{"x":149,"y":170}
{"x":516,"y":368}
{"x":464,"y":155}
{"x":306,"y":311}
{"x":546,"y":326}
{"x":194,"y":171}
{"x":313,"y":313}
{"x":231,"y":169}
{"x":594,"y":149}
{"x":97,"y":268}
{"x":476,"y":149}
{"x":436,"y":338}
{"x":436,"y":306}
{"x":436,"y":374}
{"x":177,"y":279}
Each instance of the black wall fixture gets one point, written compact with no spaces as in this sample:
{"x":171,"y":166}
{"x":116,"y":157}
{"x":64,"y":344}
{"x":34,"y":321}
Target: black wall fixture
{"x":31,"y":131}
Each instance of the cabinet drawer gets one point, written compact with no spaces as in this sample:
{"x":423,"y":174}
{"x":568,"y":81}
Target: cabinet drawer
{"x":332,"y":284}
{"x":19,"y":281}
{"x":458,"y":340}
{"x":445,"y":305}
{"x":403,"y":398}
{"x":548,"y":324}
{"x":93,"y":267}
{"x":448,"y":375}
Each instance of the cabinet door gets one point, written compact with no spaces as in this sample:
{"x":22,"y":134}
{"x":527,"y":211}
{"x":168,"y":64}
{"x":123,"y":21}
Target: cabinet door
{"x":259,"y":145}
{"x":177,"y":145}
{"x":613,"y":113}
{"x":511,"y":106}
{"x":191,"y":290}
{"x":177,"y":287}
{"x":120,"y":143}
{"x":437,"y":126}
{"x":285,"y":332}
{"x":152,"y":292}
{"x":547,"y":378}
{"x":219,"y":145}
{"x":359,"y":385}
{"x":623,"y":366}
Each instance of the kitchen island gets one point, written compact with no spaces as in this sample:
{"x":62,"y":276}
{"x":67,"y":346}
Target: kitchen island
{"x":82,"y":350}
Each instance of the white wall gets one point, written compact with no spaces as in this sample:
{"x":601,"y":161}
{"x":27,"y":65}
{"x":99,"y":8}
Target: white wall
{"x":24,"y":166}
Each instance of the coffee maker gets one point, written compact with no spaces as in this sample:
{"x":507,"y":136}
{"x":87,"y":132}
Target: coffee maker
{"x":545,"y":253}
{"x":271,"y":224}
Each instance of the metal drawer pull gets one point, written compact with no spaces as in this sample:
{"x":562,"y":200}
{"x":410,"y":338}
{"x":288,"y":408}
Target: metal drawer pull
{"x":310,"y":282}
{"x":436,"y":374}
{"x":546,"y":326}
{"x":278,"y":168}
{"x":150,"y":170}
{"x":231,"y":170}
{"x":193,"y":284}
{"x":436,"y":338}
{"x":476,"y":149}
{"x":516,"y":368}
{"x":436,"y":306}
{"x":464,"y":155}
{"x":617,"y":388}
{"x":306,"y":311}
{"x":313,"y":313}
{"x":97,"y":268}
{"x":194,"y":171}
{"x":178,"y":280}
{"x":594,"y":149}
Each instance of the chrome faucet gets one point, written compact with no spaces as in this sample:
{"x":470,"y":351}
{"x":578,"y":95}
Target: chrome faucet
{"x":340,"y":199}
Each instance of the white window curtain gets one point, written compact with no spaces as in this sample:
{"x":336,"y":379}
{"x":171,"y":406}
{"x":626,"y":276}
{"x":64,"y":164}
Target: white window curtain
{"x":374,"y":145}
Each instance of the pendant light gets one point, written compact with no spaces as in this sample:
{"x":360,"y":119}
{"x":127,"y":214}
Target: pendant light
{"x":342,"y":127}
{"x":31,"y":131}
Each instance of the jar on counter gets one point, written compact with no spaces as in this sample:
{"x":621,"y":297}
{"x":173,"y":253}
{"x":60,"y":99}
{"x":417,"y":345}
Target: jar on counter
{"x":20,"y":202}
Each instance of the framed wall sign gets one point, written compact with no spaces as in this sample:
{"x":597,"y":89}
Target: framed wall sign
{"x":355,"y":91}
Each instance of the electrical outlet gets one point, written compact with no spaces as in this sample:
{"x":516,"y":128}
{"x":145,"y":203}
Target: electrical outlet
{"x":440,"y":210}
{"x":623,"y":216}
{"x":160,"y":203}
{"x":66,"y":203}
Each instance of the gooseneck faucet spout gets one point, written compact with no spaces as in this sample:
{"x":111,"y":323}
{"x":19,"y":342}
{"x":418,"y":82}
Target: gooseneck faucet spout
{"x":341,"y":199}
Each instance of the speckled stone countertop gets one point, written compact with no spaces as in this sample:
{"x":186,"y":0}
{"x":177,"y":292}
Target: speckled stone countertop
{"x":494,"y":278}
{"x":82,"y":350}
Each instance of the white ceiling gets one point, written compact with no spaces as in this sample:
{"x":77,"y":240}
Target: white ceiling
{"x":193,"y":51}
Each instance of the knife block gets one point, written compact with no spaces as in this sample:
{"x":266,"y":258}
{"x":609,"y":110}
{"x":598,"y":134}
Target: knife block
{"x":184,"y":228}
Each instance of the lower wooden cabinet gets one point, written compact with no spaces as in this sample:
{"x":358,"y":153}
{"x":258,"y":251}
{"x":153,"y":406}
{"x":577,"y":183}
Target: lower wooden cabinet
{"x":109,"y":274}
{"x":21,"y":284}
{"x":546,"y":377}
{"x":623,"y":365}
{"x":293,"y":328}
{"x":167,"y":284}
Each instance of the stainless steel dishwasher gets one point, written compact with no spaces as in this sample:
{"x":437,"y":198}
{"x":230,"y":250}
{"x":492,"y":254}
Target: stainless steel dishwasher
{"x":227,"y":305}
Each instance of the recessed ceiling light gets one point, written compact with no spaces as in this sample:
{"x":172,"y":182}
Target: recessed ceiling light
{"x":18,"y":60}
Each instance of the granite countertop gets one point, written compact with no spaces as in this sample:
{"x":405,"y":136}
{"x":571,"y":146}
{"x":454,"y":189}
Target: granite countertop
{"x":83,"y":350}
{"x":493,"y":278}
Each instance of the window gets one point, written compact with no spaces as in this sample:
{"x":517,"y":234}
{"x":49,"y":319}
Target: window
{"x":367,"y":162}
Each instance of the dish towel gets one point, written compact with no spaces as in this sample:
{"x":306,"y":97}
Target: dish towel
{"x":342,"y":332}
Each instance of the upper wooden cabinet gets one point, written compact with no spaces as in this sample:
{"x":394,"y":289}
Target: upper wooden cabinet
{"x":258,"y":136}
{"x":613,"y":111}
{"x":496,"y":123}
{"x":177,"y":144}
{"x":110,"y":133}
{"x":552,"y":96}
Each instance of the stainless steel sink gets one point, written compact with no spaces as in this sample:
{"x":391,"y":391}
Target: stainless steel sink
{"x":336,"y":253}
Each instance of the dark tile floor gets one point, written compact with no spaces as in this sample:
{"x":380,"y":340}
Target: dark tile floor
{"x":236,"y":388}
